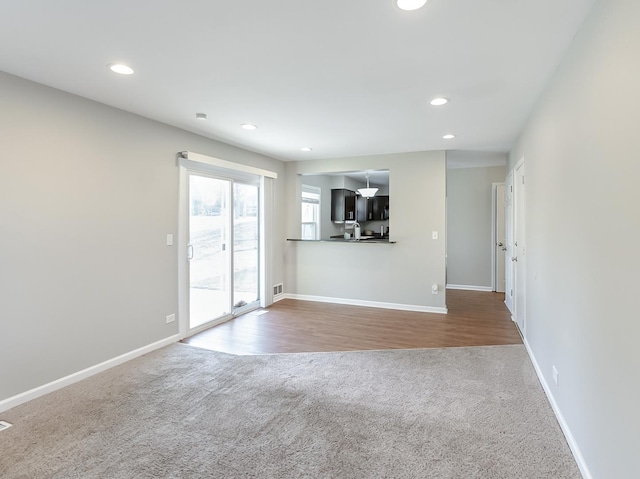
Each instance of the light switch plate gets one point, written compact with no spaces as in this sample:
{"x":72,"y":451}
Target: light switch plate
{"x":434,"y":235}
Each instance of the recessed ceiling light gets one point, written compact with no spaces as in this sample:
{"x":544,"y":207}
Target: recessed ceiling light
{"x":201,"y":116}
{"x":449,"y":136}
{"x":410,"y":4}
{"x":121,"y":69}
{"x":306,"y":148}
{"x":248,"y":126}
{"x":439,"y":101}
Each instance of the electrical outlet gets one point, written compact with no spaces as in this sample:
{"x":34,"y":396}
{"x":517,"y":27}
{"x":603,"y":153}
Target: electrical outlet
{"x":171,"y":318}
{"x":554,"y":372}
{"x":434,"y":288}
{"x":169,"y":239}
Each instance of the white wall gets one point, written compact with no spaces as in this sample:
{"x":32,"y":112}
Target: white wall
{"x":583,"y":230}
{"x":399,"y":273}
{"x":88,"y":194}
{"x":469,"y":224}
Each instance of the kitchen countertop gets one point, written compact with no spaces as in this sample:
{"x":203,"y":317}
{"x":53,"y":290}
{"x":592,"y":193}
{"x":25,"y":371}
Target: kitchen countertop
{"x":374,"y":240}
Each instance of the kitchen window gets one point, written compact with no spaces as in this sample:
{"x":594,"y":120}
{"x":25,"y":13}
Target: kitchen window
{"x":310,"y":212}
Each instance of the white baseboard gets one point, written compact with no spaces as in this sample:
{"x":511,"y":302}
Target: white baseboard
{"x":470,"y":287}
{"x":279,"y":297}
{"x":575,"y":450}
{"x":508,"y":307}
{"x":85,"y":373}
{"x":369,"y":304}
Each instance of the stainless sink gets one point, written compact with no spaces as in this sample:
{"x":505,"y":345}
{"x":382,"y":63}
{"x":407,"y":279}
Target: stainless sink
{"x":368,"y":237}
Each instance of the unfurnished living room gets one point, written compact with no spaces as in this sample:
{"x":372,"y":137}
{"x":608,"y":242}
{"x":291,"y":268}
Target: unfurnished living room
{"x":319,"y":239}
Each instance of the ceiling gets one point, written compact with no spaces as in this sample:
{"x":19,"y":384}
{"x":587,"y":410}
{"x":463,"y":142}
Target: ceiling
{"x":344,"y":77}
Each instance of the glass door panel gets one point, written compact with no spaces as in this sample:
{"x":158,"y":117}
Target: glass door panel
{"x":209,"y":251}
{"x":245,"y":246}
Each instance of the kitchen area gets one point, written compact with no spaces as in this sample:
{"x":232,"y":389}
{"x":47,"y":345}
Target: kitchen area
{"x":346,"y":207}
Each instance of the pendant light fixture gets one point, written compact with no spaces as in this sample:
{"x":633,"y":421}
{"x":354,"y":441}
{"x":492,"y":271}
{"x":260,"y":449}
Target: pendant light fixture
{"x":368,"y":192}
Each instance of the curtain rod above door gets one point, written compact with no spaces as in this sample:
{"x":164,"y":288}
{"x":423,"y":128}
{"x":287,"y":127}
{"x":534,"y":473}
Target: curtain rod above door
{"x":210,"y":160}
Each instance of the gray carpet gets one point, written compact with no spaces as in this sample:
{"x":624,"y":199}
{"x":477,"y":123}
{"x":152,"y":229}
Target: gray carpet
{"x":184,"y":412}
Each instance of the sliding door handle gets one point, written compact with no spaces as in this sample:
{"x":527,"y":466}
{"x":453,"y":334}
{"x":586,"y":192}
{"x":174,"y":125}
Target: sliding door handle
{"x":190,"y":252}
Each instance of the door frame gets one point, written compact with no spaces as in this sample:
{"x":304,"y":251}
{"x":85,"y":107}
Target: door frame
{"x":494,"y":239}
{"x":197,"y":163}
{"x":230,"y":225}
{"x":519,"y":235}
{"x":508,"y":226}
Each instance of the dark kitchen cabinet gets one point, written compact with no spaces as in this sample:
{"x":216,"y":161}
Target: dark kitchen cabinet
{"x":372,"y":209}
{"x":363,"y":208}
{"x":343,"y":205}
{"x":379,"y":208}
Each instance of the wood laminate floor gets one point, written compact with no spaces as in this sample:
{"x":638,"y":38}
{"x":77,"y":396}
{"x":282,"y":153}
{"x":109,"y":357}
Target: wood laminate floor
{"x":290,"y":326}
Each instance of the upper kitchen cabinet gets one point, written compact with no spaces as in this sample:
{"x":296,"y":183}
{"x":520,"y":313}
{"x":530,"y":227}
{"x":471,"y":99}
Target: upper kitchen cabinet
{"x":375,"y":208}
{"x":343,"y":205}
{"x":379,"y":208}
{"x":363,"y":208}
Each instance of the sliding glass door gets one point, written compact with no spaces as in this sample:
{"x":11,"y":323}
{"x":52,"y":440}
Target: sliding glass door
{"x":223,"y":248}
{"x":245,"y":247}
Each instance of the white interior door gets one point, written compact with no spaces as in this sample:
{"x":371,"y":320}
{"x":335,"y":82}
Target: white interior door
{"x":519,"y":258}
{"x":508,"y":222}
{"x":500,"y":239}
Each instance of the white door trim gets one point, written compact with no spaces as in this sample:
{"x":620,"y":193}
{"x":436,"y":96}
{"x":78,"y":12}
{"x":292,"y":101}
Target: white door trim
{"x":183,"y":263}
{"x":520,"y":232}
{"x":494,"y":240}
{"x":508,"y":298}
{"x":186,"y":166}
